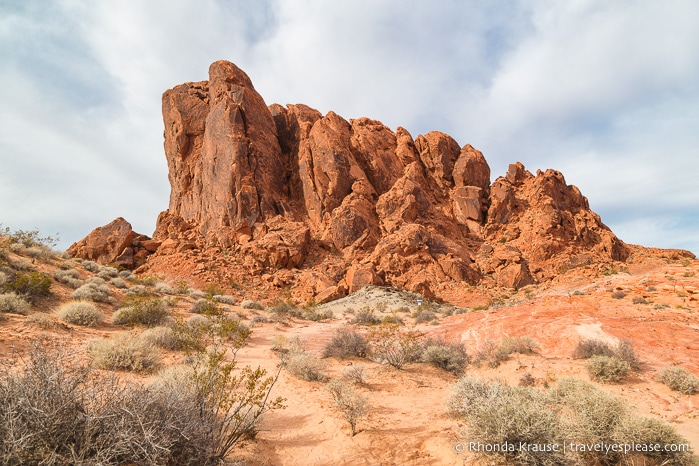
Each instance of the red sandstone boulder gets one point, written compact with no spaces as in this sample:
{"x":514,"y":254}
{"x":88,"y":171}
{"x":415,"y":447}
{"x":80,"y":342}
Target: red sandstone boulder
{"x":115,"y":244}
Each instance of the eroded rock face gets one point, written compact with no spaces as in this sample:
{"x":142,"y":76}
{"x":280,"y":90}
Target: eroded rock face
{"x":286,"y":188}
{"x":115,"y":244}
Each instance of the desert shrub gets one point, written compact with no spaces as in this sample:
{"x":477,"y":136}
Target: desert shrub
{"x":206,"y":307}
{"x":27,"y":238}
{"x":80,"y":313}
{"x":164,"y":288}
{"x":13,"y":304}
{"x":618,"y":295}
{"x":126,"y":274}
{"x":148,"y":280}
{"x":127,"y":351}
{"x":623,"y":350}
{"x":647,"y":431}
{"x":196,"y":294}
{"x":108,"y":271}
{"x":161,"y":336}
{"x":352,"y":405}
{"x":4,"y":278}
{"x":118,"y":283}
{"x":70,"y":277}
{"x":423,"y":315}
{"x":148,"y":311}
{"x":679,"y":379}
{"x":491,"y":353}
{"x":224,"y":299}
{"x":259,"y":319}
{"x":346,"y":343}
{"x":181,"y":286}
{"x":607,"y":368}
{"x":31,"y":285}
{"x":42,"y":253}
{"x":94,"y":289}
{"x":356,"y":373}
{"x":521,"y":345}
{"x":197,"y":321}
{"x":305,"y":365}
{"x":451,"y":357}
{"x":249,"y":304}
{"x":366,"y":316}
{"x":40,"y":320}
{"x":54,"y":411}
{"x":389,"y":344}
{"x":314,"y":315}
{"x":138,"y":290}
{"x":498,"y":414}
{"x":527,"y":380}
{"x":639,"y":300}
{"x":392,"y":319}
{"x":588,"y":348}
{"x":91,"y":266}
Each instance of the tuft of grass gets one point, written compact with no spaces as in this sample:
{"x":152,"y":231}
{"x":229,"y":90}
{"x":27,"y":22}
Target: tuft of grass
{"x":679,"y":379}
{"x":127,"y":351}
{"x":80,"y":313}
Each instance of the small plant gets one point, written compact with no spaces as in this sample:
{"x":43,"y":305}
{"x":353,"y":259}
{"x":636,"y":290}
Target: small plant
{"x":618,"y":295}
{"x":91,"y":266}
{"x":13,"y":304}
{"x":346,"y":343}
{"x":259,"y":320}
{"x":527,"y":380}
{"x":205,"y":307}
{"x":94,"y":289}
{"x":351,"y":404}
{"x":491,"y":353}
{"x":224,"y":299}
{"x":679,"y":379}
{"x":80,"y":313}
{"x":366,"y":316}
{"x":163,"y":288}
{"x":623,"y":350}
{"x":161,"y":336}
{"x":118,"y":282}
{"x":142,"y":311}
{"x":422,"y":316}
{"x":521,"y":345}
{"x":127,"y":351}
{"x":451,"y":357}
{"x":639,"y":300}
{"x":40,"y":320}
{"x":31,"y":285}
{"x":395,"y":347}
{"x":70,"y":277}
{"x":608,"y":272}
{"x":608,"y":368}
{"x":305,"y":366}
{"x":356,"y":373}
{"x":249,"y":304}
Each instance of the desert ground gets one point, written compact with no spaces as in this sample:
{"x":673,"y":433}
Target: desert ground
{"x":649,"y":302}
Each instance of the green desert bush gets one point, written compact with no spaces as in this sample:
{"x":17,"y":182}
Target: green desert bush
{"x":31,"y":285}
{"x":127,"y":351}
{"x":679,"y":379}
{"x":608,"y":369}
{"x":148,"y":311}
{"x":80,"y":313}
{"x":346,"y":343}
{"x":452,"y":357}
{"x":249,"y":304}
{"x":205,"y":307}
{"x":13,"y":304}
{"x":623,"y":350}
{"x":352,"y":404}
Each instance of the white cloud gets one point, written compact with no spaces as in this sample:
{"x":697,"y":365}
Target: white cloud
{"x":606,"y":92}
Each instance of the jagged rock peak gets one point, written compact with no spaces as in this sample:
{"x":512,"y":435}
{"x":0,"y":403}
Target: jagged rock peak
{"x":275,"y":185}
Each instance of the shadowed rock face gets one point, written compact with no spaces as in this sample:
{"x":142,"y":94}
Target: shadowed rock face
{"x":273,"y":185}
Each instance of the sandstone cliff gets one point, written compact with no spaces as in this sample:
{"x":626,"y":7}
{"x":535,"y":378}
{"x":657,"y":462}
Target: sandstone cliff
{"x":294,"y":197}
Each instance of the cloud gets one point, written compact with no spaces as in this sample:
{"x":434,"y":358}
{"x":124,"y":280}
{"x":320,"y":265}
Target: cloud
{"x":605,"y":92}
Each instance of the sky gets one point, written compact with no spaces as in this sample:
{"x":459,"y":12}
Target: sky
{"x":605,"y":91}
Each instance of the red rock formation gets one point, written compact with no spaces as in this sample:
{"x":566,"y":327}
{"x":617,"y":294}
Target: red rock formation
{"x":279,"y":188}
{"x":115,"y":244}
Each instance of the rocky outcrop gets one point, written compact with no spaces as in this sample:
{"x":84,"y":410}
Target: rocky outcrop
{"x":115,"y":244}
{"x":287,"y":188}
